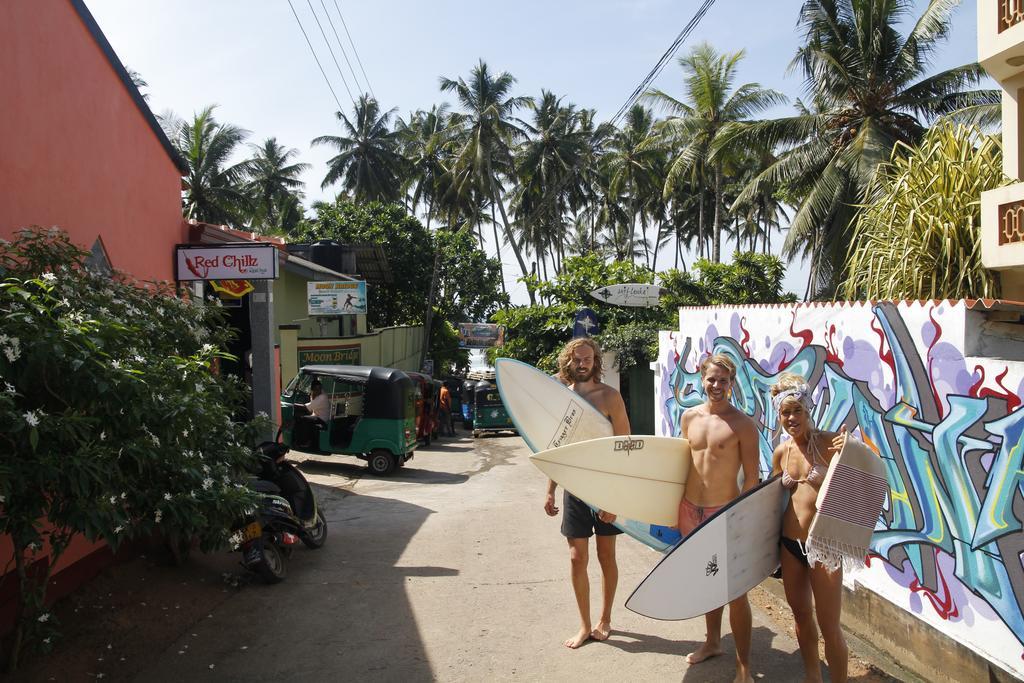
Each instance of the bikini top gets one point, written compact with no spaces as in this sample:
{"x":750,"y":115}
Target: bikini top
{"x":815,"y":476}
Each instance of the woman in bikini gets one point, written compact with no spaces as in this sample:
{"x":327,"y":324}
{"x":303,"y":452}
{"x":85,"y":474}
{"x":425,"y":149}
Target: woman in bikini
{"x":803,"y":461}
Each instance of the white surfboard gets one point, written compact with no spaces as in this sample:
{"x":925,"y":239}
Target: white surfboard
{"x":549,"y":414}
{"x":723,"y":558}
{"x":645,"y":296}
{"x":638,"y":477}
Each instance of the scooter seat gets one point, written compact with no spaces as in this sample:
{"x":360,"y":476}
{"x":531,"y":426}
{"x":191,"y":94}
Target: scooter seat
{"x":263,"y":486}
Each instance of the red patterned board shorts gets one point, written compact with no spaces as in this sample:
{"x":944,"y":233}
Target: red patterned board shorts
{"x":691,"y":516}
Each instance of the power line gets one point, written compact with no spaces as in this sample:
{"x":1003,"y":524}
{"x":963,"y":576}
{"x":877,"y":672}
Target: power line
{"x":354,"y":50}
{"x":660,"y":65}
{"x":344,"y":54}
{"x":329,"y":49}
{"x":633,"y":97}
{"x":327,"y":80}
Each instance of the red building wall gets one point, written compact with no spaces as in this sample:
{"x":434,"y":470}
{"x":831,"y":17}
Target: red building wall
{"x":76,"y":151}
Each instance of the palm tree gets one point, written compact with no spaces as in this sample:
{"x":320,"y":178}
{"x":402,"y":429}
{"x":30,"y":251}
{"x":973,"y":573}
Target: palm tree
{"x":274,"y":186}
{"x":696,"y":123}
{"x":868,"y":90}
{"x":485,"y":152}
{"x":426,"y":141}
{"x":631,"y":165}
{"x":368,"y":164}
{"x":546,"y":164}
{"x":213,"y":191}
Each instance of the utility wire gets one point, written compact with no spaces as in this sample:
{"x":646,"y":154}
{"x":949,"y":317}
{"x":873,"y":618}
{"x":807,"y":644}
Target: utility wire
{"x":331,"y":50}
{"x":665,"y":58}
{"x":327,"y":80}
{"x":344,"y":54}
{"x":632,"y":99}
{"x":354,"y":50}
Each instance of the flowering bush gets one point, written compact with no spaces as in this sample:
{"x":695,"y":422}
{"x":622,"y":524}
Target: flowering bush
{"x":112,"y":424}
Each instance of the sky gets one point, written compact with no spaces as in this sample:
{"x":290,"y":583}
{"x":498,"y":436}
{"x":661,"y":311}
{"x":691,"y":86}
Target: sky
{"x":249,"y":57}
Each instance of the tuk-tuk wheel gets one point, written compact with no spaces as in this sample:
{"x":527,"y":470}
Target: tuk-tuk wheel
{"x":381,"y":462}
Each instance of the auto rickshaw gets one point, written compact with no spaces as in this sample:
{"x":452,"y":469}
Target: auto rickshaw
{"x":426,"y":415}
{"x":373,"y":414}
{"x":489,"y":412}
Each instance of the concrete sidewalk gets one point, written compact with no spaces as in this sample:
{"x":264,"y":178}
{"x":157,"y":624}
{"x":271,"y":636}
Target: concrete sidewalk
{"x":447,"y":571}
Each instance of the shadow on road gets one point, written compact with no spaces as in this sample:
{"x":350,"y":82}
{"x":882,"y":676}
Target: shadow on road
{"x":342,"y":613}
{"x":408,"y":473}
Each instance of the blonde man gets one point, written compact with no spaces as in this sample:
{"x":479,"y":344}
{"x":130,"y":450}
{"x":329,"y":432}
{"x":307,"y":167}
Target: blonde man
{"x":723,"y":441}
{"x":579,"y":367}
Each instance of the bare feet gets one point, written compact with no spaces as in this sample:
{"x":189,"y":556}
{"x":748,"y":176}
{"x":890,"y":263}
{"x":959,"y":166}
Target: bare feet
{"x":578,"y":639}
{"x":705,"y":651}
{"x":743,"y":675}
{"x":603,"y":630}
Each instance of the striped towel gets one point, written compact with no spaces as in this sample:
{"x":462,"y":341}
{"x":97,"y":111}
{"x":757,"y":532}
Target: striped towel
{"x":849,"y":502}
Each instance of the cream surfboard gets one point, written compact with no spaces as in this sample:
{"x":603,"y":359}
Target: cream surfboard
{"x":548,"y":414}
{"x":640,"y":295}
{"x":638,"y":477}
{"x":727,"y":555}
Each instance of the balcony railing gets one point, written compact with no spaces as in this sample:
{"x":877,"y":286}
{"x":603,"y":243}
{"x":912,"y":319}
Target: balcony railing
{"x":1011,"y":13}
{"x":1011,"y":223}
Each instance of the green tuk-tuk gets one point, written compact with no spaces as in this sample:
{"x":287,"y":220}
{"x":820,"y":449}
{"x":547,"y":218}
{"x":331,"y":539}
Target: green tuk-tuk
{"x":372,"y":409}
{"x":489,"y":414}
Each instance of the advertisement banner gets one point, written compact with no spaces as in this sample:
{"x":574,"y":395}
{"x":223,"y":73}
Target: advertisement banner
{"x":227,"y":262}
{"x":480,"y":335}
{"x":342,"y":354}
{"x":343,"y":297}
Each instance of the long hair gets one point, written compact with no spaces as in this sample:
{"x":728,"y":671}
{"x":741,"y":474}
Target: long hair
{"x":565,"y":359}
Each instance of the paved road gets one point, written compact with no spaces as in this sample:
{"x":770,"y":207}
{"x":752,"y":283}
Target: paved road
{"x":447,"y":571}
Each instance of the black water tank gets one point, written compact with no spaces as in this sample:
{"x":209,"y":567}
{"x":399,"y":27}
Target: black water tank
{"x":329,"y":254}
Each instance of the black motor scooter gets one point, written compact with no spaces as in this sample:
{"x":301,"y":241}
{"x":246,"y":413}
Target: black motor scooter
{"x":287,"y":513}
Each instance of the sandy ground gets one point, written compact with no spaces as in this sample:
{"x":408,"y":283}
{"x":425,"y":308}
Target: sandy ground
{"x":448,"y":570}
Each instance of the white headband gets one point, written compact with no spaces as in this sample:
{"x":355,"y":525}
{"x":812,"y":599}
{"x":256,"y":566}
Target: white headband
{"x":801,"y":393}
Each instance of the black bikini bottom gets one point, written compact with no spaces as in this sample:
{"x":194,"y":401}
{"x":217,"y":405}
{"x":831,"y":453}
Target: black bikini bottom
{"x":795,"y":549}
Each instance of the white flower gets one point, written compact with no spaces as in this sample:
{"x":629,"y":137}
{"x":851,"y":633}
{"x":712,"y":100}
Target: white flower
{"x":124,"y":494}
{"x":4,"y":338}
{"x":103,"y":436}
{"x":11,"y":353}
{"x":3,"y":499}
{"x":46,"y":640}
{"x":31,"y":418}
{"x":113,"y":500}
{"x":167,"y":496}
{"x":118,"y":529}
{"x":262,"y":415}
{"x":158,"y":516}
{"x":155,"y":439}
{"x":207,"y":483}
{"x":199,"y":385}
{"x":138,"y":359}
{"x":49,"y":277}
{"x":159,"y":398}
{"x":116,"y":364}
{"x":184,"y":433}
{"x":206,"y":469}
{"x":43,"y":618}
{"x":207,"y":348}
{"x":65,"y":303}
{"x":9,"y":388}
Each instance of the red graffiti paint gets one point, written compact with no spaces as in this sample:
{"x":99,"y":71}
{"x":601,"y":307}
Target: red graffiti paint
{"x":832,"y":352}
{"x":884,"y":352}
{"x":980,"y":391}
{"x":746,"y":337}
{"x":944,"y":606}
{"x":806,"y":335}
{"x":931,"y":375}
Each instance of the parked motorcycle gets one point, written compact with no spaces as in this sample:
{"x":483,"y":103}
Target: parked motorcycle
{"x":287,"y":513}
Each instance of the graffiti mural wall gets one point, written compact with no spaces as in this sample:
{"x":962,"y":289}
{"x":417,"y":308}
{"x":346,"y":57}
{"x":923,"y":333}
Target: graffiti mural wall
{"x":948,"y":546}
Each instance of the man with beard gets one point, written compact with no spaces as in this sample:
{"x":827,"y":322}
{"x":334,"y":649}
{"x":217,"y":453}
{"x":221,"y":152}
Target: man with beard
{"x":579,"y":367}
{"x":723,"y":440}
